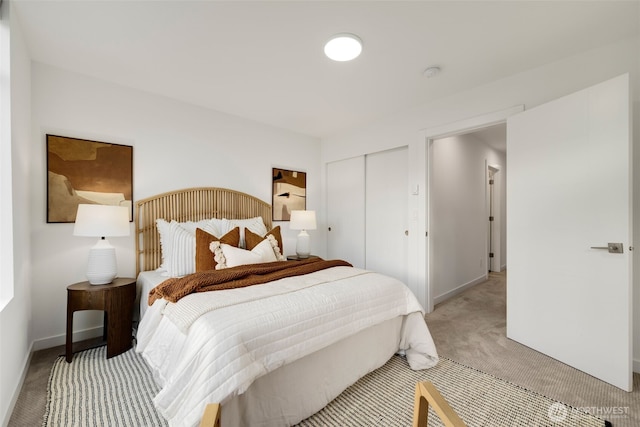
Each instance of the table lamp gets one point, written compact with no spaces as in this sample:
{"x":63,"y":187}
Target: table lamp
{"x":303,"y":220}
{"x":102,"y":221}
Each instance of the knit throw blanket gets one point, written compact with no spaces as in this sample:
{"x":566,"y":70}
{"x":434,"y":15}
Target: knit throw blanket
{"x":237,"y":277}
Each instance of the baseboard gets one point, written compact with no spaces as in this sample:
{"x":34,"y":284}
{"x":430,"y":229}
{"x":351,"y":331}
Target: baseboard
{"x":61,"y":339}
{"x":459,"y":289}
{"x":16,"y":392}
{"x":636,"y":365}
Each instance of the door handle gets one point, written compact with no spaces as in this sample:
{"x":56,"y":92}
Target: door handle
{"x":613,"y":248}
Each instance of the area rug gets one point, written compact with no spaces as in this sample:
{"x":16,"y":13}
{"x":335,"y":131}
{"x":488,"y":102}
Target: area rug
{"x":385,"y":398}
{"x":95,"y":391}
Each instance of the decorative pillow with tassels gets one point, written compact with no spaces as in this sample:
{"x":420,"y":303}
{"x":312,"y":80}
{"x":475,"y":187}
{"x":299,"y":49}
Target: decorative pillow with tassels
{"x":253,"y":239}
{"x":205,"y":260}
{"x":229,"y":256}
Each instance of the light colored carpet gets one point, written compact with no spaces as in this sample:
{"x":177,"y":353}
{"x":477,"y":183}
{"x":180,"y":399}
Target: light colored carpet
{"x":470,"y":328}
{"x":95,"y":391}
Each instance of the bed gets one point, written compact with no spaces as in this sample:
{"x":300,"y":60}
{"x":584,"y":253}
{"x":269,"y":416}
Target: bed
{"x":270,"y":354}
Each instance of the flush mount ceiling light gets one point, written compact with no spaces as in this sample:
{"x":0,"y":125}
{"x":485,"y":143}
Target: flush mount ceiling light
{"x":343,"y":47}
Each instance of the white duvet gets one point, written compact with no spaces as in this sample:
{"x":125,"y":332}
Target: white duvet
{"x":211,"y":346}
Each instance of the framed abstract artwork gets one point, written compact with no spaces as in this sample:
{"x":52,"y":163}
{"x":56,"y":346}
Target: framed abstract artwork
{"x":289,"y":192}
{"x":80,"y":171}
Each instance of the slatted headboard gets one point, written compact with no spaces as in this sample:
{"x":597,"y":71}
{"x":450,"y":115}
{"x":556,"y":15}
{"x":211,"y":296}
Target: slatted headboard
{"x":190,"y":204}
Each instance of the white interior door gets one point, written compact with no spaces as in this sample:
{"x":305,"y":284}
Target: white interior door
{"x":495,"y":219}
{"x":387,"y":212}
{"x":345,"y":210}
{"x":568,"y":190}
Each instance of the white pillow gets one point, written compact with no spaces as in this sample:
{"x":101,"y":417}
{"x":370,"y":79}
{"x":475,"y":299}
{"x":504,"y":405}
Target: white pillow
{"x":255,"y":224}
{"x":178,"y":244}
{"x":229,"y":256}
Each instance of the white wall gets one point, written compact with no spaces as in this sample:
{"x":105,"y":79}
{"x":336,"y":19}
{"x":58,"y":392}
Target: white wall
{"x":458,"y":224}
{"x":175,"y":146}
{"x":530,"y":88}
{"x":15,"y":317}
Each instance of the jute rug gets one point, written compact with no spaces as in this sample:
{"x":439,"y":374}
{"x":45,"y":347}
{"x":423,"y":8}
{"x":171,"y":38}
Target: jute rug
{"x":94,"y":391}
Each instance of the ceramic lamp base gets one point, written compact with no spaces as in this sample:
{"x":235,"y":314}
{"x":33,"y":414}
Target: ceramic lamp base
{"x":102,"y":267}
{"x":302,"y":245}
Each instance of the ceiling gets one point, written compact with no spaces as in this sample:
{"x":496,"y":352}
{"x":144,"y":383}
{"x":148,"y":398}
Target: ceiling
{"x":264,"y":60}
{"x":494,"y":136}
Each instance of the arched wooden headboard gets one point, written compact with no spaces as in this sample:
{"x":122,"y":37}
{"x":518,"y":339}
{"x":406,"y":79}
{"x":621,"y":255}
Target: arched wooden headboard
{"x":190,"y":204}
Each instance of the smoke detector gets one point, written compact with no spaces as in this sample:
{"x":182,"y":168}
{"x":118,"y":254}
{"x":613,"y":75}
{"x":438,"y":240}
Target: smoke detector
{"x":431,"y":72}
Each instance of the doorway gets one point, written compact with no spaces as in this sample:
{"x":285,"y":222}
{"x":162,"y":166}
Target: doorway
{"x":495,"y":204}
{"x":479,"y":124}
{"x":465,"y":198}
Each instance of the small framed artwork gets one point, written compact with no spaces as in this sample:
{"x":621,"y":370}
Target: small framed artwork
{"x":289,"y":193}
{"x":80,"y":171}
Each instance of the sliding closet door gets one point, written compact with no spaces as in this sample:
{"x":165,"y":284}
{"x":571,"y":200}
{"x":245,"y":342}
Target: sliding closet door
{"x":345,"y":211}
{"x":387,"y":211}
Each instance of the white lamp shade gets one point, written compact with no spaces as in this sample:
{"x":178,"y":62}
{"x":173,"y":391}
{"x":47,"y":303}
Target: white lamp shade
{"x":101,"y":221}
{"x":303,"y":220}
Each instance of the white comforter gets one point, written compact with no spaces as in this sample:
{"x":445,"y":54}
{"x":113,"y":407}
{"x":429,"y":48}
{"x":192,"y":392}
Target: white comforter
{"x":221,"y":341}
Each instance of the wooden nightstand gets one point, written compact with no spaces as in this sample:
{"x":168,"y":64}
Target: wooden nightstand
{"x":116,"y":300}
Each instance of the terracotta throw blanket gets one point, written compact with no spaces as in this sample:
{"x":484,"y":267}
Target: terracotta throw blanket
{"x":237,"y":277}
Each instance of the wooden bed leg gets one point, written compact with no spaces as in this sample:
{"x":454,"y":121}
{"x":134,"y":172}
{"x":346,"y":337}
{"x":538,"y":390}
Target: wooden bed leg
{"x":211,"y":416}
{"x":426,"y":393}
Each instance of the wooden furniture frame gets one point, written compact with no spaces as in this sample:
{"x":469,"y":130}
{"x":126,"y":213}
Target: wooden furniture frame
{"x":116,"y":300}
{"x":427,"y":394}
{"x":190,"y":204}
{"x":211,"y":416}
